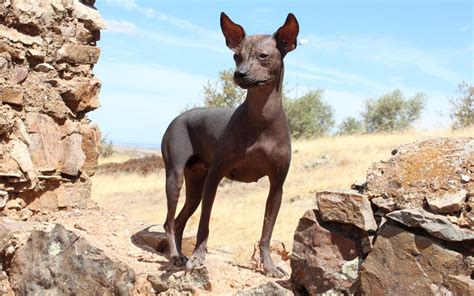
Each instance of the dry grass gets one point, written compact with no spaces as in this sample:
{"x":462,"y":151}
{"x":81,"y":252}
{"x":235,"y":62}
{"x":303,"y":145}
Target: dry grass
{"x":238,"y":210}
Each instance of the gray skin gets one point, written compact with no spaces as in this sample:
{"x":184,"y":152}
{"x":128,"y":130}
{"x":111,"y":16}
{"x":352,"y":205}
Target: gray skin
{"x":204,"y":145}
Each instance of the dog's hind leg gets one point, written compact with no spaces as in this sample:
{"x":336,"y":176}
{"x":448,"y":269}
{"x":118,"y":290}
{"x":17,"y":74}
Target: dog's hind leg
{"x":174,"y":182}
{"x":194,"y":181}
{"x":176,"y":151}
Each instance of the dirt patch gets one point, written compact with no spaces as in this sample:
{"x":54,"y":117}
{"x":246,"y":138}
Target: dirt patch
{"x":144,"y":166}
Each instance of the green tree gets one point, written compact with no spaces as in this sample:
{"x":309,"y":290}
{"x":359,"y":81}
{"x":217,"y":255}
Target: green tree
{"x":462,"y":111}
{"x":309,"y":115}
{"x":392,"y":112}
{"x":224,"y":92}
{"x":350,"y":126}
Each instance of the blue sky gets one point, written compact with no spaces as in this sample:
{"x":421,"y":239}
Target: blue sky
{"x":157,"y":55}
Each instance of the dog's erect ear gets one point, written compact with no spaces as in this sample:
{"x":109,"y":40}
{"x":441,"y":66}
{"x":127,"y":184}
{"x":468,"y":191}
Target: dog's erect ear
{"x":234,"y":33}
{"x":286,"y":35}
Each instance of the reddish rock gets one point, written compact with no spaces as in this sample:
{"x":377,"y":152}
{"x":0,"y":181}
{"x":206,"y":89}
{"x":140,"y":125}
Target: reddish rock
{"x":90,"y":147}
{"x":45,"y":135}
{"x":402,"y":262}
{"x":346,"y":207}
{"x":421,"y":170}
{"x":81,"y":94}
{"x":81,"y":54}
{"x":324,"y":259}
{"x":11,"y":95}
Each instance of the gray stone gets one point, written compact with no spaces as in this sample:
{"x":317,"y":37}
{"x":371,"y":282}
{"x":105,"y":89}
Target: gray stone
{"x":436,"y":225}
{"x":44,"y":67}
{"x":62,"y":263}
{"x":182,"y":281}
{"x":449,"y":203}
{"x":270,"y":288}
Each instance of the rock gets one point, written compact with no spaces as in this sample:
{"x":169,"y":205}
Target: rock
{"x":68,"y":195}
{"x":15,"y":36}
{"x":436,"y":225}
{"x":449,"y":203}
{"x":270,"y":288}
{"x":19,"y":74}
{"x":465,"y":178}
{"x":11,"y":95}
{"x":89,"y":15}
{"x":36,"y":54}
{"x":61,"y":262}
{"x":45,"y":136}
{"x":5,"y":288}
{"x":324,"y":256}
{"x":346,"y":207}
{"x":421,"y":170}
{"x":81,"y":54}
{"x":402,"y":262}
{"x":90,"y":147}
{"x":142,"y":286}
{"x":388,"y":205}
{"x":44,"y":67}
{"x":4,"y":64}
{"x":182,"y":281}
{"x":81,"y":94}
{"x":73,"y":157}
{"x":3,"y":198}
{"x":460,"y":285}
{"x":15,"y":204}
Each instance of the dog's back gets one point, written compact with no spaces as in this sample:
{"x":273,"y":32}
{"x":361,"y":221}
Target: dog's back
{"x":196,"y":133}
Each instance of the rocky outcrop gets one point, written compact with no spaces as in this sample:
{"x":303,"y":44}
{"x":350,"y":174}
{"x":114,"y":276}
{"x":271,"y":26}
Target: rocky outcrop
{"x":48,"y":147}
{"x":60,"y":262}
{"x":327,"y":255}
{"x":419,"y":236}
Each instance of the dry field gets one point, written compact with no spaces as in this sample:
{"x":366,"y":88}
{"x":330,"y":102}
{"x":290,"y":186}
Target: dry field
{"x":237,"y":217}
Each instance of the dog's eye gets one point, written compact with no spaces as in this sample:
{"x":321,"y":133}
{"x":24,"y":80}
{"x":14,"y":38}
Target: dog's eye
{"x":263,"y":56}
{"x":237,"y":57}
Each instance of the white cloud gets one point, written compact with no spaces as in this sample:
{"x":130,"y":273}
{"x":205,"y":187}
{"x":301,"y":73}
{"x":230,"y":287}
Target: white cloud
{"x":115,"y":26}
{"x":188,"y":26}
{"x":132,"y":5}
{"x":388,"y":52}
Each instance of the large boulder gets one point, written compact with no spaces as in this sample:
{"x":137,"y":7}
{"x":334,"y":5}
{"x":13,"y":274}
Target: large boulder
{"x":60,"y":262}
{"x":402,"y":262}
{"x":326,"y":256}
{"x":429,"y":169}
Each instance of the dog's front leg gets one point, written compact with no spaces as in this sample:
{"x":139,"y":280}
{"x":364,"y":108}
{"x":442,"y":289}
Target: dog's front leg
{"x":271,"y":212}
{"x":208,"y":195}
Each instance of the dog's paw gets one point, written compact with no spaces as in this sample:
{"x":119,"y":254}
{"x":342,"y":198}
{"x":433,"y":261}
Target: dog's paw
{"x":194,"y":262}
{"x":179,"y":261}
{"x":275,"y":272}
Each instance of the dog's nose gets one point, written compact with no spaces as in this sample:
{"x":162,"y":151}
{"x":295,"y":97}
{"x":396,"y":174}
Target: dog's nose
{"x":240,"y":74}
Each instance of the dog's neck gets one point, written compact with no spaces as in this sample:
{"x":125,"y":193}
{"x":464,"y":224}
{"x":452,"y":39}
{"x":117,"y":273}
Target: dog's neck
{"x":264,"y":103}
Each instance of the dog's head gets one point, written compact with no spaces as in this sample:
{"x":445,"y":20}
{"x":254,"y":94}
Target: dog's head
{"x":259,"y":58}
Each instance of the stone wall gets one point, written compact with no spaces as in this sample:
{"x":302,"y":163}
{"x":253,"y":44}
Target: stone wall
{"x":48,"y":147}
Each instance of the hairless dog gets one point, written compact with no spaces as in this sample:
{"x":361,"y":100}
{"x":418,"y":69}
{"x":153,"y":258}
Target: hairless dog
{"x":203,"y":145}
